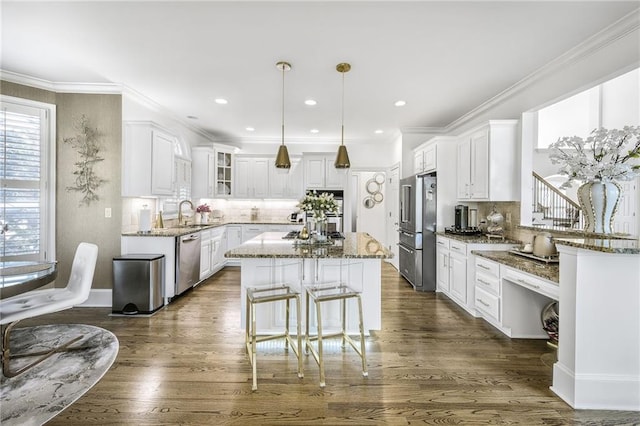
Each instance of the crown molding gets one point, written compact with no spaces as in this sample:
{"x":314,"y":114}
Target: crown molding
{"x":423,"y":130}
{"x":615,"y":31}
{"x":61,"y":87}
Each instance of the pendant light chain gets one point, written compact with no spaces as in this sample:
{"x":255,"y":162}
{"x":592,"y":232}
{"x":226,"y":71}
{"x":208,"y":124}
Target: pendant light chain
{"x":283,"y":68}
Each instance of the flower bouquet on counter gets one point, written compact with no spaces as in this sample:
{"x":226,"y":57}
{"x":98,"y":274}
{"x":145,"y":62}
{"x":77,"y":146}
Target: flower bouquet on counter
{"x":318,"y":204}
{"x":203,"y":208}
{"x":603,"y":156}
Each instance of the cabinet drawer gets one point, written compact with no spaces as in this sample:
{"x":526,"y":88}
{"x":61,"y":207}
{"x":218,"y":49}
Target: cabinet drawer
{"x":487,"y":267}
{"x":488,"y":283}
{"x":488,"y":303}
{"x":532,"y":283}
{"x":442,"y":242}
{"x":458,"y":247}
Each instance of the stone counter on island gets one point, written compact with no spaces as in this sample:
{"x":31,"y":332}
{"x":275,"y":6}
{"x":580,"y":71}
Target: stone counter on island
{"x":355,"y":245}
{"x":269,"y":259}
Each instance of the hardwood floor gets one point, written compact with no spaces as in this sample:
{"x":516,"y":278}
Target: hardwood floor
{"x":432,"y":364}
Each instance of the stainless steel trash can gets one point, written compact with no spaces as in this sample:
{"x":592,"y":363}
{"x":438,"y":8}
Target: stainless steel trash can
{"x":138,"y":283}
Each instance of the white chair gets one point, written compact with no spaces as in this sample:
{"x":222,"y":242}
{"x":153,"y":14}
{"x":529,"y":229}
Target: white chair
{"x":41,"y":302}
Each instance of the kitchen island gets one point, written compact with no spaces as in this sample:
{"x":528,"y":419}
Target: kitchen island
{"x":356,"y":260}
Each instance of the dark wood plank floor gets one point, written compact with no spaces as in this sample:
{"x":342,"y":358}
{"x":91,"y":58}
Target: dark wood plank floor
{"x":431,"y":364}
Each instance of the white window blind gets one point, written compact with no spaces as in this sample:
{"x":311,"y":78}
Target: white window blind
{"x":23,"y":173}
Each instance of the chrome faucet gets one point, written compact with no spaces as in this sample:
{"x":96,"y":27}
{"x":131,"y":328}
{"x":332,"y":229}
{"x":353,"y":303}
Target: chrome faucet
{"x":180,"y":210}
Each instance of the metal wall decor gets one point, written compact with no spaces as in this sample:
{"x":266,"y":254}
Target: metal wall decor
{"x":374,"y":188}
{"x":88,"y":147}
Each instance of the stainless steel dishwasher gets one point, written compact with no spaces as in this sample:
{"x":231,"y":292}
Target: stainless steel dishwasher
{"x":188,"y":261}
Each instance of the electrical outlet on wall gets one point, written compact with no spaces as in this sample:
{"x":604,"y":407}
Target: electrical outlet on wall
{"x":508,"y":218}
{"x":107,"y":212}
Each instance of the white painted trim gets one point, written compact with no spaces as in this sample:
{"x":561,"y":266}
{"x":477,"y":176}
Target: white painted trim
{"x":98,"y":298}
{"x":61,"y":87}
{"x":600,"y":40}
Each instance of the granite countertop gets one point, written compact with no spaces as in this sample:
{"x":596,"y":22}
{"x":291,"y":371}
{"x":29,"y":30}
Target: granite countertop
{"x":477,"y":239}
{"x":550,"y":271}
{"x":605,"y":245}
{"x":271,"y":244}
{"x":179,"y":231}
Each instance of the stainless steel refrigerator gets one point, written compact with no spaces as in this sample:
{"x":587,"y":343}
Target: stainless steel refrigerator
{"x":417,"y":231}
{"x":429,"y":223}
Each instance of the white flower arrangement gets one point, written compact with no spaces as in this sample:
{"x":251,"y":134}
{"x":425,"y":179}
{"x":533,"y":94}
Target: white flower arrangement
{"x":603,"y":156}
{"x":318,"y":204}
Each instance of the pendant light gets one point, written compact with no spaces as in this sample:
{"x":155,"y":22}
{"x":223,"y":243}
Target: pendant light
{"x":282,"y":158}
{"x":342,"y":159}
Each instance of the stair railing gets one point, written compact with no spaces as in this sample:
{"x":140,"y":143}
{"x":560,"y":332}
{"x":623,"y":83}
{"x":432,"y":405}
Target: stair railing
{"x":557,"y":209}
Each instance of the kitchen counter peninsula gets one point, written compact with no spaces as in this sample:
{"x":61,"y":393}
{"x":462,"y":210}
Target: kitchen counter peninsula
{"x":269,"y":259}
{"x":356,"y":245}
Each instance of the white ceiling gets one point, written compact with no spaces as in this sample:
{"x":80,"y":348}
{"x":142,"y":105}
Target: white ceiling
{"x":442,"y":58}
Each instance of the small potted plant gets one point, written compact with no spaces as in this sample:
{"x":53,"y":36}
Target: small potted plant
{"x":203,"y":211}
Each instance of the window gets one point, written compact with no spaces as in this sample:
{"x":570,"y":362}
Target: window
{"x":612,"y":104}
{"x":27,"y":176}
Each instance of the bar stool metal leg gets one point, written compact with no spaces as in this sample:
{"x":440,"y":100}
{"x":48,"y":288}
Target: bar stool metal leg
{"x":257,"y":296}
{"x":333,"y":293}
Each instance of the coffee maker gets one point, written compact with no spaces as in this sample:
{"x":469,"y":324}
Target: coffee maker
{"x":462,"y":217}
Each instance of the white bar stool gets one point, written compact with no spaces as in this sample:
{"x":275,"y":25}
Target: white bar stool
{"x":268,"y":294}
{"x":325,"y":292}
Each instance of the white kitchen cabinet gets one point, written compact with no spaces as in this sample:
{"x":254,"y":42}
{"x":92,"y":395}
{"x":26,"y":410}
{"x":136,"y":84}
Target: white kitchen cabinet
{"x":458,"y":272}
{"x":205,"y":254}
{"x":224,"y":173}
{"x":512,"y":300}
{"x":182,"y":176}
{"x":234,"y":236}
{"x":212,"y":251}
{"x":320,"y":173}
{"x":425,"y":158}
{"x":430,"y":158}
{"x":418,"y":162}
{"x":147,"y":160}
{"x":456,"y":268}
{"x":487,"y":302}
{"x":251,"y":177}
{"x":203,"y":172}
{"x":218,"y":247}
{"x":288,"y":185}
{"x":442,"y":265}
{"x":487,"y":163}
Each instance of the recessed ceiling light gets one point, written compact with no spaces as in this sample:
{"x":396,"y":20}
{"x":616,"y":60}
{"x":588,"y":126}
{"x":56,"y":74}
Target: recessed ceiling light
{"x":192,"y":117}
{"x":250,"y":129}
{"x":379,"y":131}
{"x":315,"y":131}
{"x":221,"y":101}
{"x":310,"y":102}
{"x":400,"y":103}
